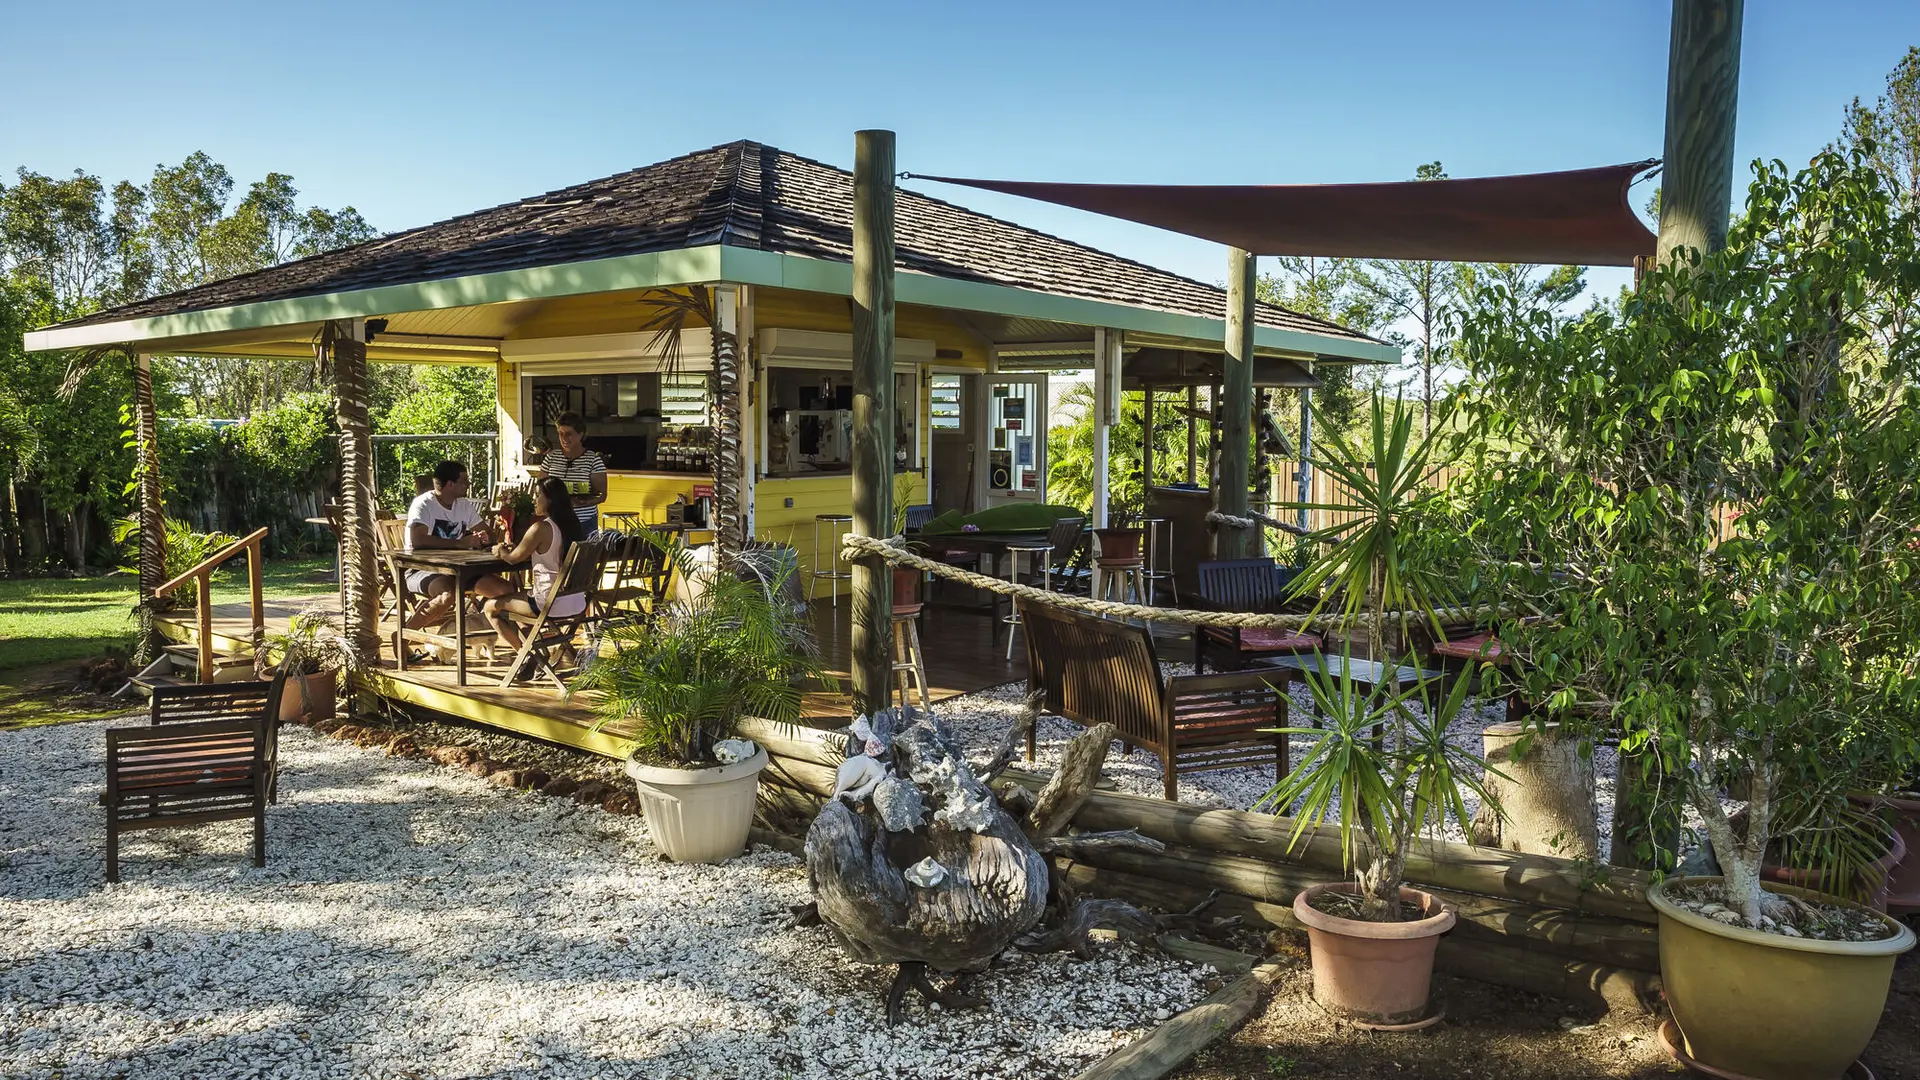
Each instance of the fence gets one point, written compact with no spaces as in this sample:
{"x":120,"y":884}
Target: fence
{"x":1327,"y":490}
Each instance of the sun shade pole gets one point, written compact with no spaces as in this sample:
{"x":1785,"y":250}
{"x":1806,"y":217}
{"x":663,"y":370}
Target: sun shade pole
{"x":873,"y":197}
{"x":1236,"y":414}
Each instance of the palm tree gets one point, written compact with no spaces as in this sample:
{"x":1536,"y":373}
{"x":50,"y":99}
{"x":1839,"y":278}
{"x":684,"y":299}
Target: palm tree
{"x":673,"y":310}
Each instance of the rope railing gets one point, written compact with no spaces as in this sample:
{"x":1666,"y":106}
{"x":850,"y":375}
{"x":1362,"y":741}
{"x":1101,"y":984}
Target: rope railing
{"x":854,"y":545}
{"x":1255,"y":519}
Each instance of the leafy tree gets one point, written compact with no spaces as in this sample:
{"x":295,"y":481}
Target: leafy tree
{"x":1070,"y":449}
{"x":443,"y":399}
{"x":1417,"y":292}
{"x":1888,"y":134}
{"x":1326,"y":289}
{"x":1714,"y":491}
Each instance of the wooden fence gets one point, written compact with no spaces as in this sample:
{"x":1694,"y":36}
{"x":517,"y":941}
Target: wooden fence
{"x":1326,"y":490}
{"x":1552,"y":926}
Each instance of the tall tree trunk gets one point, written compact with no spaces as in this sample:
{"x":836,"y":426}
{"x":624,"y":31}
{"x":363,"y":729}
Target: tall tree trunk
{"x":358,"y":581}
{"x":728,"y":464}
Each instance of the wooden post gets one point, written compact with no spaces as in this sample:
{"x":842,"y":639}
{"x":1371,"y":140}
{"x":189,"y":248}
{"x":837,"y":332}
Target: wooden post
{"x":344,"y":344}
{"x":1703,"y":84}
{"x":1262,"y":480}
{"x":1146,"y":444}
{"x":1235,"y":429}
{"x":152,"y":562}
{"x":1306,"y":452}
{"x":254,"y":589}
{"x":1102,"y":431}
{"x":872,"y":412}
{"x":1696,"y":196}
{"x":1193,"y":428}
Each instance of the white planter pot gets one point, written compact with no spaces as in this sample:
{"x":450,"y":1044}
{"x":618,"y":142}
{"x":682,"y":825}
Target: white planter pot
{"x":699,"y":815}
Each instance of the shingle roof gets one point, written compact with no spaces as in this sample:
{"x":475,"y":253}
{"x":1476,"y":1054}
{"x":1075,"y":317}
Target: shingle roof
{"x":743,"y":194}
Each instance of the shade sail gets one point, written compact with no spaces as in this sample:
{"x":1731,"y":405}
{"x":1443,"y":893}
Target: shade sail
{"x":1580,"y":217}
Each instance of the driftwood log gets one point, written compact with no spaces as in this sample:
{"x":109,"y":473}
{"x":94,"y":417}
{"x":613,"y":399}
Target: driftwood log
{"x":915,"y":862}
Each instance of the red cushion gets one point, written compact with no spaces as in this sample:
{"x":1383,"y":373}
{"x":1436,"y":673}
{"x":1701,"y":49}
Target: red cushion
{"x":1267,"y":639}
{"x":1481,"y":646}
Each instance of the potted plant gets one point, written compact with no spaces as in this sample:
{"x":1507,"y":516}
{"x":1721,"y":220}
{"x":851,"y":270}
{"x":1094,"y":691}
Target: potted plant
{"x":906,"y":579}
{"x":312,"y":653}
{"x":1726,"y":466}
{"x":1373,"y":939}
{"x":678,"y":684}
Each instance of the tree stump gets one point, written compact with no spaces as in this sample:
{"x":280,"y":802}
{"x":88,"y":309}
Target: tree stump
{"x":915,"y":862}
{"x":1545,"y":795}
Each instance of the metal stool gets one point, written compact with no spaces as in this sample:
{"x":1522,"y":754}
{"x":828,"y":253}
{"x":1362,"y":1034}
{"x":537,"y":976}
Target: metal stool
{"x":909,"y":665}
{"x":1156,"y":570}
{"x":835,"y":530}
{"x":1035,"y":550}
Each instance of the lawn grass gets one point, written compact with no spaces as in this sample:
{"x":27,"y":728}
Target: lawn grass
{"x":47,"y":620}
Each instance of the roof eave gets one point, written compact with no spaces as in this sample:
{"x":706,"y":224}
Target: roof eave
{"x":684,"y":266}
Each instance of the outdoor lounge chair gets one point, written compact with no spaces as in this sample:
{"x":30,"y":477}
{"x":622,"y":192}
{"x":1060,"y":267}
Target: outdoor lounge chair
{"x":187,"y":774}
{"x":192,"y":703}
{"x":544,"y":634}
{"x":1096,"y":670}
{"x":1249,"y":585}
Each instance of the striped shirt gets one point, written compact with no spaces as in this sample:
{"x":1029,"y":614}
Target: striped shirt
{"x":576,"y":471}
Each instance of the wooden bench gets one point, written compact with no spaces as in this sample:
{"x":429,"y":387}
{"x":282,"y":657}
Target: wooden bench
{"x":1245,"y":585}
{"x":180,"y":774}
{"x":1096,"y":670}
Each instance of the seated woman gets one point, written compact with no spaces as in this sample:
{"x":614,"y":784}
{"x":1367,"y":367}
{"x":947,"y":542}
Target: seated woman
{"x":556,"y":528}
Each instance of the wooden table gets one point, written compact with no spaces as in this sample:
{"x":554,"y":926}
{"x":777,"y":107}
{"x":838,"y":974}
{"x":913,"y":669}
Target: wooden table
{"x":995,"y":546}
{"x":466,"y":566}
{"x":1366,"y":674}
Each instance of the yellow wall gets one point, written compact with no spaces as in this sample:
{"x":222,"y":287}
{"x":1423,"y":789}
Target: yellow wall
{"x":811,"y":495}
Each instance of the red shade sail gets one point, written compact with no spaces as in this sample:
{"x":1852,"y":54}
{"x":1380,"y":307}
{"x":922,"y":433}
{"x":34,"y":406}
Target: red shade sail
{"x":1579,"y":217}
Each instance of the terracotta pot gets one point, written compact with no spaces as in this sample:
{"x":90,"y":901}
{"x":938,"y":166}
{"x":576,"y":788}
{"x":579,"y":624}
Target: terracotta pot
{"x":1378,"y":973}
{"x":321,"y":687}
{"x":1768,"y":1006}
{"x":906,"y":590}
{"x":1903,"y":883}
{"x":1118,"y":544}
{"x":699,"y":815}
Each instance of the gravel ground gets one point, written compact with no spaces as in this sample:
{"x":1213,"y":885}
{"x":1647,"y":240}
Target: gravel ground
{"x":414,"y":921}
{"x":983,"y":717}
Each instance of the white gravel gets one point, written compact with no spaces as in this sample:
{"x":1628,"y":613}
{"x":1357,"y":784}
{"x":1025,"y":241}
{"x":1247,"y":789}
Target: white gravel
{"x":984,"y":717}
{"x":414,"y":921}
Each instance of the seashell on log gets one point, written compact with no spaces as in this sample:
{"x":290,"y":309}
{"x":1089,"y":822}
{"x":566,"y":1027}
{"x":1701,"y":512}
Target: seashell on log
{"x":729,"y":751}
{"x":899,"y":805}
{"x":857,"y":777}
{"x":926,"y":873}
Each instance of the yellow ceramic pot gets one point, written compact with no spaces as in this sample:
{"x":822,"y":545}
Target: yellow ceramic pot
{"x":1768,"y":1006}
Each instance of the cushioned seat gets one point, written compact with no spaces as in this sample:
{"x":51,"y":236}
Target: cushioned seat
{"x":1481,"y":646}
{"x":1265,"y":639}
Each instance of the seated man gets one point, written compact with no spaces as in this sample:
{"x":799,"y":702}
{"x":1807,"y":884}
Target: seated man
{"x":441,"y":518}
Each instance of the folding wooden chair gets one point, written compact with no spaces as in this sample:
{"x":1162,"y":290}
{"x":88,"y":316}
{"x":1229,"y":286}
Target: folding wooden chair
{"x":187,"y":774}
{"x":642,"y":571}
{"x":543,"y":633}
{"x":389,"y":536}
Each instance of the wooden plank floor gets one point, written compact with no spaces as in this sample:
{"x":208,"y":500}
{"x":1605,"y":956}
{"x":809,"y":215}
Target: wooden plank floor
{"x":964,"y":651}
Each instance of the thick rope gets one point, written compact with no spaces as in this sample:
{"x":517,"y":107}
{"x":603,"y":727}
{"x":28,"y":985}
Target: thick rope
{"x":1253,"y":519}
{"x":854,"y":545}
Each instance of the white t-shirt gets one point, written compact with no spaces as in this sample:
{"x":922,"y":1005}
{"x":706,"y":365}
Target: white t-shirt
{"x":444,"y":522}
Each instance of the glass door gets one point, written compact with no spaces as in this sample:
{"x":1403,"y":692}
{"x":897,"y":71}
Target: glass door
{"x":1016,"y":447}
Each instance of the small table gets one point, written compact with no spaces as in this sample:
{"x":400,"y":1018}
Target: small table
{"x":995,"y":546}
{"x":1366,"y":674}
{"x":466,"y":566}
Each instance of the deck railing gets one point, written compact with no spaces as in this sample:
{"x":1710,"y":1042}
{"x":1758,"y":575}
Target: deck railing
{"x":202,"y":574}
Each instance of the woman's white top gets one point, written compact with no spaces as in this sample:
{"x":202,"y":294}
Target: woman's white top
{"x":546,"y":568}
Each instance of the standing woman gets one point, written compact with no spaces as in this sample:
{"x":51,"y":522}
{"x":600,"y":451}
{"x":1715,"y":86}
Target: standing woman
{"x":556,"y":528}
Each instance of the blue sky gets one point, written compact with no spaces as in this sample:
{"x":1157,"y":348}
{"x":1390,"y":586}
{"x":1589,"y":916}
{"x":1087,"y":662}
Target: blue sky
{"x":415,"y":112}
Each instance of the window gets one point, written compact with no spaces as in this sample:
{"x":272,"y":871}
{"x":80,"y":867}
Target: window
{"x":944,"y":401}
{"x":683,"y":399}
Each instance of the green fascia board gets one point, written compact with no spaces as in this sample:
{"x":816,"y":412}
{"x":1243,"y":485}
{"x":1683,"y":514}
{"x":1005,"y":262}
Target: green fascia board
{"x":650,"y":270}
{"x":746,"y":266}
{"x":686,"y":266}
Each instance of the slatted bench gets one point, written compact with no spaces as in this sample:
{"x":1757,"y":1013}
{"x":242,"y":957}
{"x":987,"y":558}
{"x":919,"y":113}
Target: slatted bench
{"x":253,"y":698}
{"x":1245,"y":585}
{"x":1096,"y":670}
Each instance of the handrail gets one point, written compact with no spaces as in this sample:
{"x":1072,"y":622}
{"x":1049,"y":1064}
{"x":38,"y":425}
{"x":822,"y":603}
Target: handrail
{"x":213,"y":560}
{"x":201,"y":575}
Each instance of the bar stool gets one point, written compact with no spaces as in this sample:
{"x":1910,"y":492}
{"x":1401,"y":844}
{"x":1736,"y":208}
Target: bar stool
{"x":1119,"y":568}
{"x":838,"y":525}
{"x":1034,"y":550}
{"x":1156,"y":569}
{"x":909,"y":664}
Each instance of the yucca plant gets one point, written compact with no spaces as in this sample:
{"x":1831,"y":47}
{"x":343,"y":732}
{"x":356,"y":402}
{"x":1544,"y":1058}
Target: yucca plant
{"x":680,"y":681}
{"x":1385,"y":769}
{"x":1370,"y":564}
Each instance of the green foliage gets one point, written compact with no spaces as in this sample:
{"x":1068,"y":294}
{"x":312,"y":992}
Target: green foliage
{"x":1070,"y":449}
{"x":1888,"y":133}
{"x":683,"y":679}
{"x":1714,"y":491}
{"x":270,"y":469}
{"x":185,"y":549}
{"x":442,"y":399}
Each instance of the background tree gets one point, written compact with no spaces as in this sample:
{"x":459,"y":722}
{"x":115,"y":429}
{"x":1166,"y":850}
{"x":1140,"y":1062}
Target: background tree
{"x":1416,"y":293}
{"x":1888,"y":134}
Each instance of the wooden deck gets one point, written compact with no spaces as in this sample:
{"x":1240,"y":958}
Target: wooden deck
{"x":964,"y":652}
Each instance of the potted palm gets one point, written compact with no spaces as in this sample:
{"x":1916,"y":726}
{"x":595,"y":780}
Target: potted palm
{"x":1726,"y":464}
{"x":313,"y":652}
{"x":1383,"y":762}
{"x":677,"y":685}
